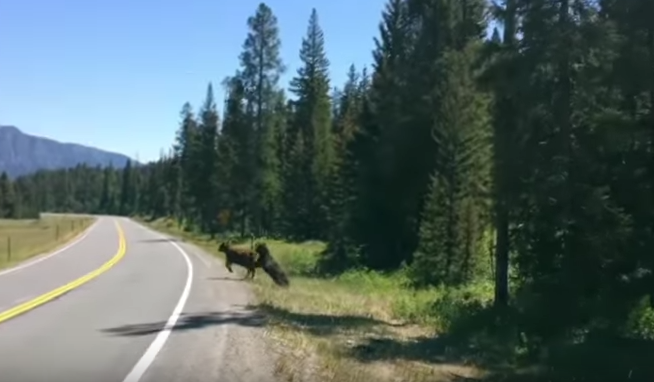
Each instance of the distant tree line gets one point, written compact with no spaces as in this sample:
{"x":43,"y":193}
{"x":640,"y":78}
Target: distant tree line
{"x":456,"y":157}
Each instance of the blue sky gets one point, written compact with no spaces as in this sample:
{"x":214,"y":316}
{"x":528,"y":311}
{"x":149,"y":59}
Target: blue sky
{"x":114,"y":73}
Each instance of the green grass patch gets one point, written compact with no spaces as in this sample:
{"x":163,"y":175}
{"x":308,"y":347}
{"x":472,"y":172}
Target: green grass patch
{"x":365,"y":325}
{"x":26,"y":238}
{"x":357,"y":325}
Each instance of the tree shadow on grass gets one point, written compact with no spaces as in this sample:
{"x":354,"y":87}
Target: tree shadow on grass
{"x":191,"y":321}
{"x":319,"y":324}
{"x":596,"y":361}
{"x":359,"y":345}
{"x":425,"y":349}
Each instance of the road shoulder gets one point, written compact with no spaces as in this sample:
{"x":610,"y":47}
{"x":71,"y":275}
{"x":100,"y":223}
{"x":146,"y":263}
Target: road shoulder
{"x":220,"y":335}
{"x":353,"y":327}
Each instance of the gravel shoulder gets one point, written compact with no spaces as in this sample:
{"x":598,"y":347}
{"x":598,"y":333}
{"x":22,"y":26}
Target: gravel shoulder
{"x":219,"y":337}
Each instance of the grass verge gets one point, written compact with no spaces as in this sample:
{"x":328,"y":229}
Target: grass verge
{"x":357,"y":326}
{"x":23,"y":239}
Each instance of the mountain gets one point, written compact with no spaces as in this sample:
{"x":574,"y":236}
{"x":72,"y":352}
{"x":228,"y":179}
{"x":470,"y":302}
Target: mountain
{"x":22,"y":153}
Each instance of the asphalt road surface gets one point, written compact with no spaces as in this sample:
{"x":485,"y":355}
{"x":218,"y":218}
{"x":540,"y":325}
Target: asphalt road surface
{"x":165,"y":312}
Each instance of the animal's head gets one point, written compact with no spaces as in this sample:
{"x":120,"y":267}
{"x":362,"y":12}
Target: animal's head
{"x":223,"y":246}
{"x":261,"y":249}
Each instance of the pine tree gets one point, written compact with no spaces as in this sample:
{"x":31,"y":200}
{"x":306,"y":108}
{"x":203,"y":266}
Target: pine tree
{"x":107,"y":198}
{"x":455,"y":222}
{"x":380,"y":229}
{"x":207,"y":199}
{"x":342,"y":196}
{"x":261,"y":67}
{"x":128,"y":191}
{"x":8,"y":205}
{"x":238,"y":141}
{"x":186,"y":149}
{"x":313,"y":120}
{"x":505,"y":85}
{"x":296,"y":197}
{"x":175,"y":183}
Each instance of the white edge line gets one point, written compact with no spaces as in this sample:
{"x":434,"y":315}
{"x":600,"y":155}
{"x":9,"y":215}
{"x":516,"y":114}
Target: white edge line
{"x":58,"y":251}
{"x":155,"y":347}
{"x":171,"y":239}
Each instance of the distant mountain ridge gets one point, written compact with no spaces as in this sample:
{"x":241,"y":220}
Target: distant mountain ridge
{"x":22,"y":153}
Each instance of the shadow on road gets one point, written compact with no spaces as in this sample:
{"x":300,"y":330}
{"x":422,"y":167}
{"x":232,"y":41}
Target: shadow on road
{"x":189,"y":321}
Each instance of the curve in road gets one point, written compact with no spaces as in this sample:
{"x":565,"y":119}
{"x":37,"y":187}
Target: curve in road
{"x":51,"y":295}
{"x":155,"y":347}
{"x":46,"y":256}
{"x":164,"y":312}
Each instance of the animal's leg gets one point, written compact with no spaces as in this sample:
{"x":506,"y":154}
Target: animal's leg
{"x":228,"y":265}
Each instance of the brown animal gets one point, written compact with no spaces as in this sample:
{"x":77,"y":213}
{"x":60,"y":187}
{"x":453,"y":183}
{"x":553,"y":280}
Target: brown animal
{"x":243,"y":257}
{"x":270,"y":266}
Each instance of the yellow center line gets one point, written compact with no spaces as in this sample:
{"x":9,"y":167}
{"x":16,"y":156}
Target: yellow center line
{"x":46,"y":297}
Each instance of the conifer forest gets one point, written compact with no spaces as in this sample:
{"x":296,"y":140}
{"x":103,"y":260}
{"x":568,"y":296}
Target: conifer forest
{"x":523,"y":158}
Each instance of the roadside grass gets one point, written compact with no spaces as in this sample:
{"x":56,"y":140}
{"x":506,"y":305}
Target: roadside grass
{"x":360,"y":325}
{"x":23,"y":239}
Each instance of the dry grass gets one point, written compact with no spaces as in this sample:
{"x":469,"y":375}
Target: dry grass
{"x":23,"y":239}
{"x":360,"y":326}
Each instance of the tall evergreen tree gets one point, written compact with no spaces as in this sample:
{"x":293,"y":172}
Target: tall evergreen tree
{"x":108,"y":196}
{"x":8,"y":201}
{"x":504,"y":77}
{"x":128,"y":190}
{"x":186,"y":152}
{"x":313,"y":121}
{"x":261,"y":67}
{"x":379,"y":226}
{"x":238,"y":138}
{"x":342,"y":187}
{"x":455,"y":218}
{"x":208,"y":202}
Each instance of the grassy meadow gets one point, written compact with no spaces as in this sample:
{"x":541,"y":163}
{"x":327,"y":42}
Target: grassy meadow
{"x":25,"y":238}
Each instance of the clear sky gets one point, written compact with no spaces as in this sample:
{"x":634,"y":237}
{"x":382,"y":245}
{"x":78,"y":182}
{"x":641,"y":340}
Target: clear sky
{"x":114,"y":74}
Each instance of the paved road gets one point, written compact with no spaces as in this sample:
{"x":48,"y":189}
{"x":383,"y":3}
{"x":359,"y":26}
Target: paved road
{"x":165,"y":312}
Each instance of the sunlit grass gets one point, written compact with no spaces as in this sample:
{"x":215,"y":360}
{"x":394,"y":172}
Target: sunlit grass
{"x":23,"y":239}
{"x":320,"y":322}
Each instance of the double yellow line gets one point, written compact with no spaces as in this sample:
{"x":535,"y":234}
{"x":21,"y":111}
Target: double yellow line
{"x":40,"y":300}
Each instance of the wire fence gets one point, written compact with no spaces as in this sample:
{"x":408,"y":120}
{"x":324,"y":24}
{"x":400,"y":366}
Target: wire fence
{"x":21,"y":239}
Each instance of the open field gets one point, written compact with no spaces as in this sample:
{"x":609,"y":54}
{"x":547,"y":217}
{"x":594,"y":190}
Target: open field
{"x":23,"y":239}
{"x":358,"y":326}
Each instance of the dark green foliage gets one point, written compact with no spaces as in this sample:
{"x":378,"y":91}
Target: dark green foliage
{"x":261,"y":67}
{"x":207,"y":164}
{"x":312,"y":124}
{"x":455,"y":219}
{"x":530,"y":154}
{"x":8,"y":198}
